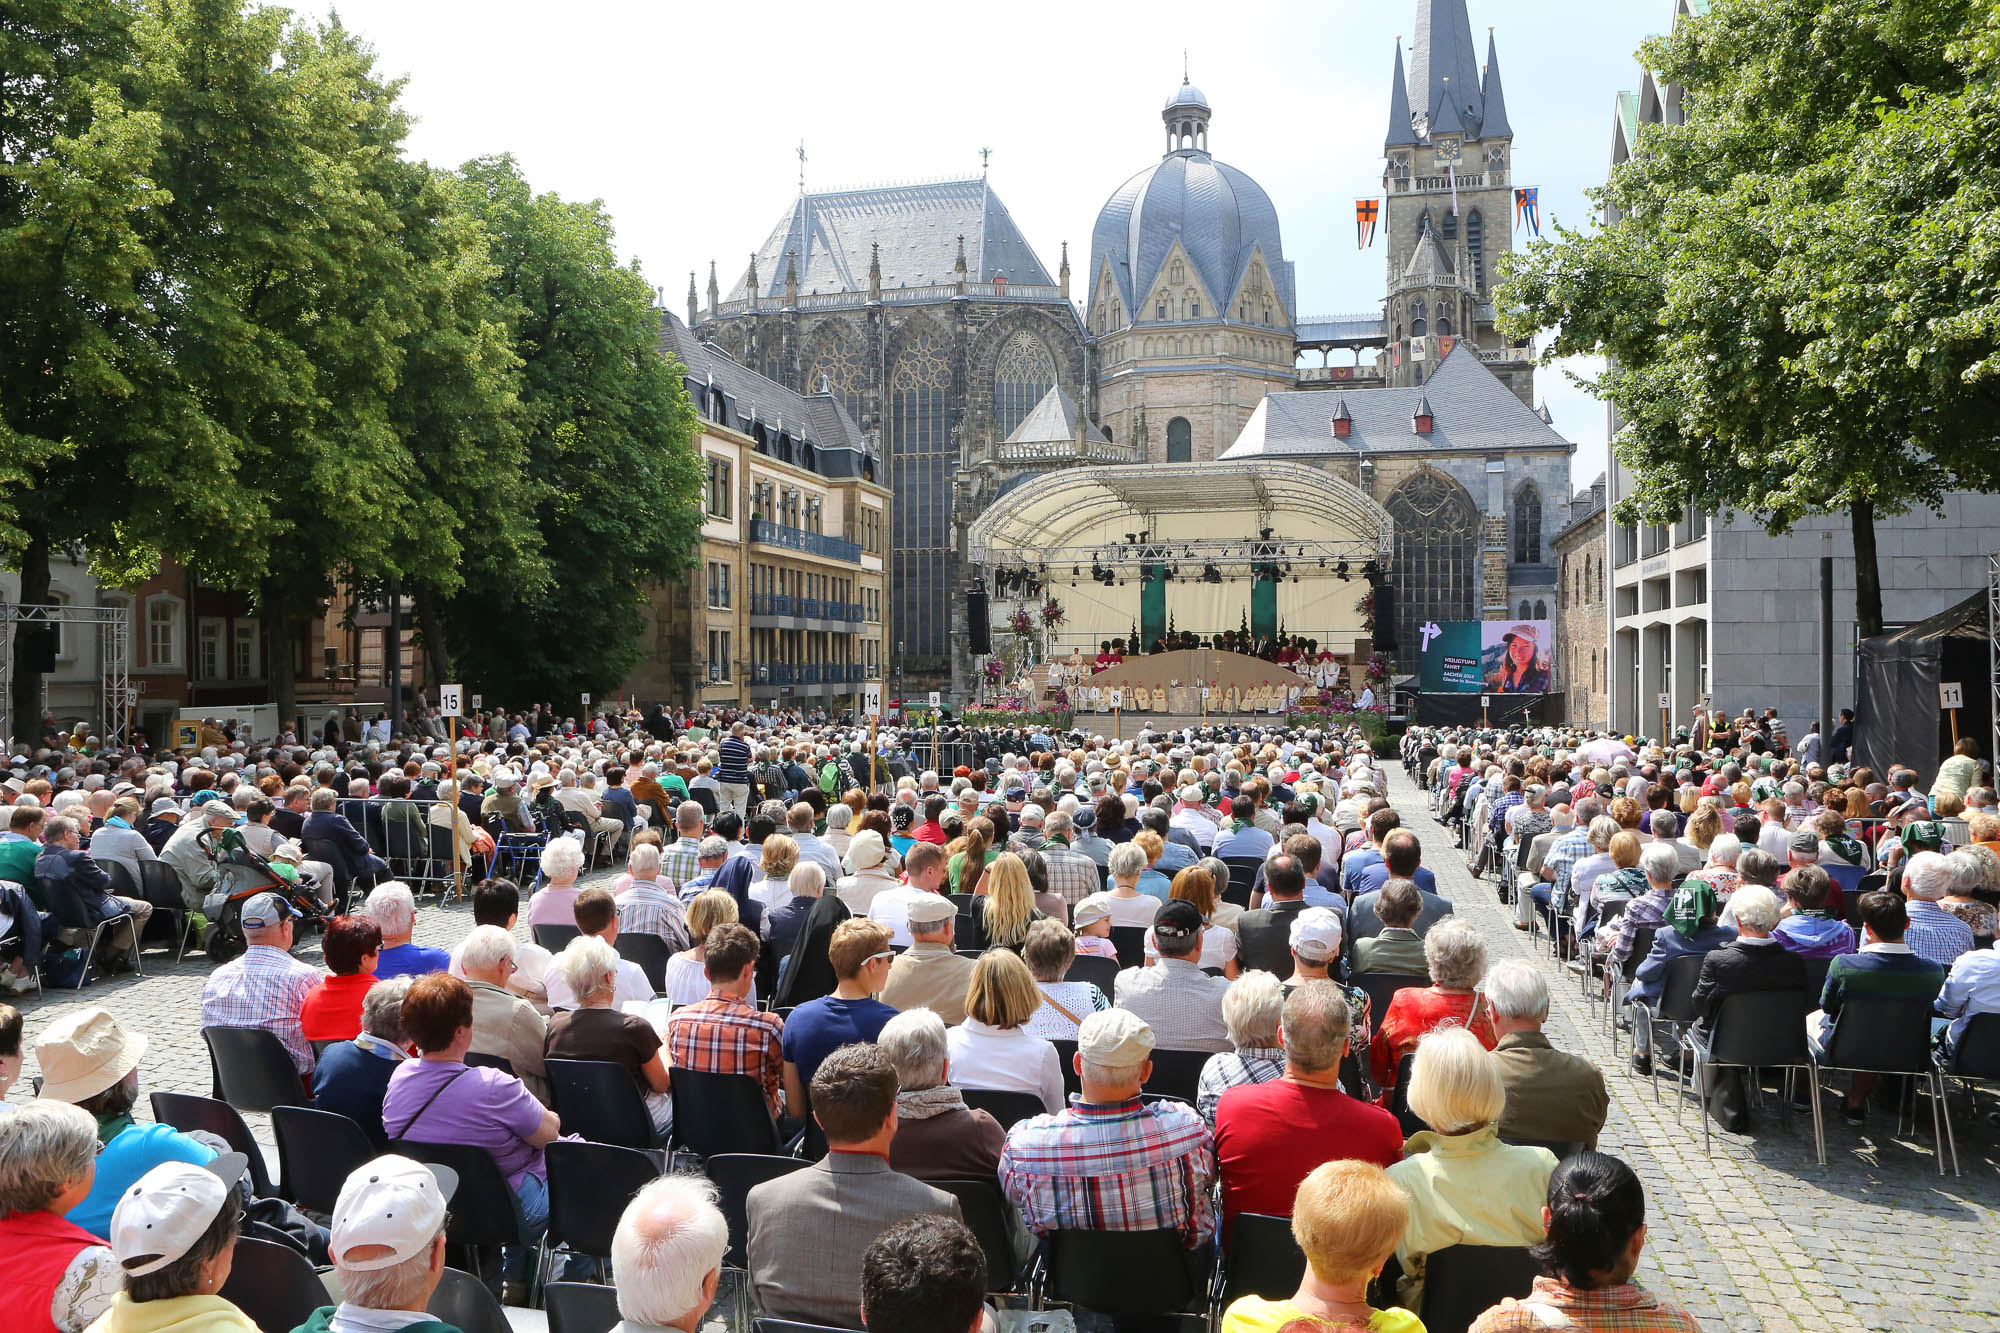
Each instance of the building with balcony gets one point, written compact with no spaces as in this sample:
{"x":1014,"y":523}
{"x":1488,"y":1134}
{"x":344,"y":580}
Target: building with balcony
{"x":789,"y":608}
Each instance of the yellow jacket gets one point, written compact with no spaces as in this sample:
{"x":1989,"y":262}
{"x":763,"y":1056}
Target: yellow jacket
{"x":1467,"y":1189}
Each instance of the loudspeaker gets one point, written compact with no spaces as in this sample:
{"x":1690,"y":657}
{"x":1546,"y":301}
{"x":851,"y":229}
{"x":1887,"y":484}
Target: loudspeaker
{"x":978,"y":630}
{"x":35,"y":647}
{"x":1385,"y":618}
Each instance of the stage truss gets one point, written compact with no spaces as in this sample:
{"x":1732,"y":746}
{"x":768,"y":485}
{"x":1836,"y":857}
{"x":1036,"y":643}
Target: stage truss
{"x":114,"y":628}
{"x":1226,"y":555}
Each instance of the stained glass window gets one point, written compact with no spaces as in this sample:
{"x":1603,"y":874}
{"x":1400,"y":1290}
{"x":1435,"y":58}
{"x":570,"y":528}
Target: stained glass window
{"x":837,"y":366}
{"x":1022,"y":374}
{"x":1180,"y":443}
{"x":1435,"y":565}
{"x":1527,"y":525}
{"x":921,"y":464}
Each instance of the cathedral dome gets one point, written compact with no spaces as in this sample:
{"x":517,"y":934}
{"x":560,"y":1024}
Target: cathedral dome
{"x":1218,"y":215}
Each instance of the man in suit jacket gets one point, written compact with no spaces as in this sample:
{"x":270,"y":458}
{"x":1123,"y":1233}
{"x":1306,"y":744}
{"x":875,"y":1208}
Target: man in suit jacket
{"x":1396,"y":946}
{"x":808,"y":1229}
{"x":1752,"y":962}
{"x":64,"y":864}
{"x":1552,"y":1096}
{"x":1264,"y":934}
{"x":358,"y":860}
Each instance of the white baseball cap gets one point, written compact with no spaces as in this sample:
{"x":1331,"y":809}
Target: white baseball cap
{"x":1315,"y":934}
{"x":159,"y":1219}
{"x":392,"y":1202}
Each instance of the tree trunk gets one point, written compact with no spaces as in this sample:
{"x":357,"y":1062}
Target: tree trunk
{"x":1867,"y":574}
{"x":283,"y":653}
{"x":27,"y":682}
{"x":431,"y":630}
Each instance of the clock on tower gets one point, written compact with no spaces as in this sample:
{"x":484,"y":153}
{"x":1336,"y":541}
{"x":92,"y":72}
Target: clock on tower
{"x":1448,"y":151}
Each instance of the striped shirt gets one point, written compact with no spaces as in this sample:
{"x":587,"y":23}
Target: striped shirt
{"x":1936,"y":934}
{"x":734,"y":765}
{"x":1562,"y":857}
{"x":723,"y":1035}
{"x":1124,"y":1166}
{"x":681,"y":862}
{"x":648,"y":909}
{"x":265,"y":988}
{"x":1071,"y":874}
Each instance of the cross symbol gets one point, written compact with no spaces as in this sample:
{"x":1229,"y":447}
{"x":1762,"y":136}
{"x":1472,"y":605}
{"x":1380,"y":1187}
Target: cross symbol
{"x":1429,"y":631}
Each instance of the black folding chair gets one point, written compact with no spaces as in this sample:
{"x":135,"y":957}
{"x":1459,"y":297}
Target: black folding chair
{"x":1975,"y":1059}
{"x":1066,"y":1057}
{"x":599,"y":1100}
{"x":649,"y":951}
{"x":553,"y":937}
{"x":488,"y":1060}
{"x":721,"y":1113}
{"x":161,"y":888}
{"x":317,"y":1151}
{"x":70,"y":914}
{"x":1889,"y":1035}
{"x":734,"y":1175}
{"x":990,"y":1219}
{"x":705,"y":798}
{"x":485,"y":1213}
{"x":1130,"y":942}
{"x":1462,"y":1282}
{"x":1100,"y":972}
{"x":188,"y":1112}
{"x":253,"y":1069}
{"x":468,"y":1305}
{"x":274,"y":1285}
{"x":965,"y":934}
{"x":1618,"y":980}
{"x":1676,"y":1010}
{"x":1758,"y":1030}
{"x":1177,"y":1074}
{"x":1097,"y":1270}
{"x":580,"y":1307}
{"x":1009,"y":1108}
{"x":1259,"y":1258}
{"x":589,"y":1186}
{"x":330,"y":853}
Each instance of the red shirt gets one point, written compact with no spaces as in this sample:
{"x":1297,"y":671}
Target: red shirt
{"x":930,"y":831}
{"x":1270,"y":1136}
{"x":1414,"y":1011}
{"x":332,"y":1011}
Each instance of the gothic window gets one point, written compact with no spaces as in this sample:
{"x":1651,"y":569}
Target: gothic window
{"x":1161,"y":313}
{"x":1527,"y":525}
{"x":1180,"y":271}
{"x":1419,"y":325}
{"x":839,"y":367}
{"x":1496,"y":158}
{"x":1523,"y":614}
{"x":1541,"y":609}
{"x":921,"y":471}
{"x":1451,"y":226}
{"x":1022,"y":374}
{"x":1180,"y":441}
{"x":1475,"y":248}
{"x":1194,"y":309}
{"x":1444,"y":320}
{"x":1435,"y":562}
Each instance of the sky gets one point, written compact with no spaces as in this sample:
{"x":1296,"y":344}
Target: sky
{"x":686,"y":122}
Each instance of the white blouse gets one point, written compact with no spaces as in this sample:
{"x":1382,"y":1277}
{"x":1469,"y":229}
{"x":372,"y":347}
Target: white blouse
{"x":1004,"y":1060}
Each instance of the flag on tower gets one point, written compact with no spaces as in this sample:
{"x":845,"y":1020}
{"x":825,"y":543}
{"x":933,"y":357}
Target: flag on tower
{"x":1365,"y":213}
{"x":1451,"y":174}
{"x":1527,"y":209}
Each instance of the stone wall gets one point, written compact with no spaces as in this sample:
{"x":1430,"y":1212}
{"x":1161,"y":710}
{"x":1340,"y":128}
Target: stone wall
{"x":1581,"y":648}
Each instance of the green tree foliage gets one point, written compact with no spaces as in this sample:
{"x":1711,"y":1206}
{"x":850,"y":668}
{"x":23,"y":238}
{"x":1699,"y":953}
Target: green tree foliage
{"x":611,"y":480}
{"x":1798,"y":290}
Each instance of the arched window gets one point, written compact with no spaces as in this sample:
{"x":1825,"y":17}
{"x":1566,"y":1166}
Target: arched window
{"x":1444,"y":321}
{"x":1524,"y":611}
{"x":921,"y":462}
{"x":1527,"y":524}
{"x":1022,"y":374}
{"x":1451,"y":225}
{"x":1180,"y":441}
{"x":1419,"y":321}
{"x":1436,"y":556}
{"x":837,"y":365}
{"x":1541,"y":609}
{"x":1475,"y":248}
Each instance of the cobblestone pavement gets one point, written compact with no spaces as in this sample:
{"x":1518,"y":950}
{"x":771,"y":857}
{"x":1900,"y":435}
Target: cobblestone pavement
{"x":1757,"y":1237}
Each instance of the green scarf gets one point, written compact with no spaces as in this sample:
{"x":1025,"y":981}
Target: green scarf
{"x":1846,"y":848}
{"x":1693,"y":902}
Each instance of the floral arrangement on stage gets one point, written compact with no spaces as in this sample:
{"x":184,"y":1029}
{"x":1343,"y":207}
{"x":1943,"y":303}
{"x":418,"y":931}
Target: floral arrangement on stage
{"x":1366,"y":606}
{"x":1378,"y":668}
{"x":1022,"y":623}
{"x":1052,"y":614}
{"x":1374,"y":722}
{"x":1016,"y":713}
{"x":996,"y":670}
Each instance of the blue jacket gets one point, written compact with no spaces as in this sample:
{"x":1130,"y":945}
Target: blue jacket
{"x":84,"y":878}
{"x":1651,"y":977}
{"x":333,"y":827}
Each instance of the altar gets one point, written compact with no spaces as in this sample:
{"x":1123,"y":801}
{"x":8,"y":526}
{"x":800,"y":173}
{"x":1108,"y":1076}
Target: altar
{"x":1173,"y":683}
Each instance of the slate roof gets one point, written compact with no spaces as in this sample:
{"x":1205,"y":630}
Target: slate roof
{"x":1054,"y":419}
{"x":1401,"y":132}
{"x":1584,"y":506}
{"x":917,"y":227}
{"x":1471,"y":411}
{"x":813,"y":431}
{"x":1443,"y":58}
{"x":1495,"y":125}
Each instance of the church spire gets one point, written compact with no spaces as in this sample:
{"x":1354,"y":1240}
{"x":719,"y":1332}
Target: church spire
{"x":874,"y":270}
{"x":750,"y":284}
{"x":1062,"y":278}
{"x":1495,"y":125}
{"x":1401,"y":134}
{"x":694,"y":306}
{"x":1443,"y":62}
{"x":791,"y":279}
{"x":714,"y":290}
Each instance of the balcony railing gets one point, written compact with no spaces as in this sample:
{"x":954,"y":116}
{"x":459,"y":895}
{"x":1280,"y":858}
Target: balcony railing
{"x":808,"y":673}
{"x":806,"y":608}
{"x":798,"y":539}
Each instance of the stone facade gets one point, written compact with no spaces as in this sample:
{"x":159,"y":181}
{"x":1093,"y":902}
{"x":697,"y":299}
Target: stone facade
{"x":1581,"y":646}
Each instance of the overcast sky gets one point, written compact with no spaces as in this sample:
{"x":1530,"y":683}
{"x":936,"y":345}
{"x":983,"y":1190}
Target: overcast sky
{"x":686,"y":120}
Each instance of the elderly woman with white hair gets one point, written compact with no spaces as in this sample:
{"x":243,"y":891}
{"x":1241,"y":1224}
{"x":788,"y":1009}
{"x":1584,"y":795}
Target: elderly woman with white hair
{"x":352,"y":1077}
{"x":1466,"y":1187}
{"x":938,"y":1137}
{"x":1457,"y":960}
{"x":503,"y":1024}
{"x":1251,"y":1008}
{"x":555,"y":903}
{"x":596,"y":1031}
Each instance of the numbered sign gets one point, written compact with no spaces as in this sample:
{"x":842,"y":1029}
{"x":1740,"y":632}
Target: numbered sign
{"x":451,"y":701}
{"x":936,"y":698}
{"x":1116,"y":697}
{"x":1666,"y":701}
{"x":478,"y":702}
{"x":1485,"y":701}
{"x":586,"y":701}
{"x":1204,"y":694}
{"x":871,"y":700}
{"x":131,"y":698}
{"x":1951,"y":694}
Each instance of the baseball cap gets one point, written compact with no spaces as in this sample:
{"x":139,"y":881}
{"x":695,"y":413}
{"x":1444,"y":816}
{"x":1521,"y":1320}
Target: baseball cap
{"x":265,"y":910}
{"x":1115,"y":1038}
{"x":160,"y":1218}
{"x":1092,"y":908}
{"x":1805,"y":840}
{"x":1923,"y":835}
{"x":1191,"y":794}
{"x":931,"y":909}
{"x":1178,"y":920}
{"x":1084,"y":817}
{"x":1316,"y":934}
{"x":394,"y":1203}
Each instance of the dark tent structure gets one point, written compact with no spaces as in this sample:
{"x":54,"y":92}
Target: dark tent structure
{"x":1896,"y":713}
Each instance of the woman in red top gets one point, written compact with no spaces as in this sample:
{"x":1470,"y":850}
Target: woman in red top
{"x":1456,"y":957}
{"x":332,"y":1011}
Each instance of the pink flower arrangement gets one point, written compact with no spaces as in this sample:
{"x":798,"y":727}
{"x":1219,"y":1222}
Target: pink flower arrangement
{"x":1052,"y":613}
{"x":996,"y":670}
{"x":1021,"y":623}
{"x":1378,"y":668}
{"x":1366,"y":606}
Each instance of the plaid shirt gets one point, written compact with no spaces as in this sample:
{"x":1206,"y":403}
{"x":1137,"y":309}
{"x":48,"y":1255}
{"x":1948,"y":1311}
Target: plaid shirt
{"x":1496,"y":815}
{"x":681,"y":862}
{"x":265,"y":988}
{"x":1936,"y":934}
{"x":1071,"y":874}
{"x":1622,"y":1309}
{"x":722,"y":1035}
{"x":1563,"y":854}
{"x":1233,"y":1069}
{"x":1648,"y":909}
{"x":1125,"y":1166}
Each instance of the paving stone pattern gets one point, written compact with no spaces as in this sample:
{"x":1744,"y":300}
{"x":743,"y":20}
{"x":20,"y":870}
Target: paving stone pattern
{"x":1756,"y":1238}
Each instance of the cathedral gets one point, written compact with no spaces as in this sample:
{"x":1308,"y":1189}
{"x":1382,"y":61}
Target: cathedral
{"x":1011,"y":422}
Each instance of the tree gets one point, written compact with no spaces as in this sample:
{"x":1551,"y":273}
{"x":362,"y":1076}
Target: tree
{"x":611,"y":480}
{"x":1791,"y":293}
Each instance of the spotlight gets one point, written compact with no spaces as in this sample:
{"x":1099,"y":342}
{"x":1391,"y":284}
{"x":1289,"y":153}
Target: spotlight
{"x":1265,"y":533}
{"x":1340,"y":569}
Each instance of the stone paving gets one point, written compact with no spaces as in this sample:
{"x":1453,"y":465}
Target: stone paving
{"x":1756,"y":1238}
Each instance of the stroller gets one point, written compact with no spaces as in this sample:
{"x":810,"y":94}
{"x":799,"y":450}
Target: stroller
{"x":240,"y":875}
